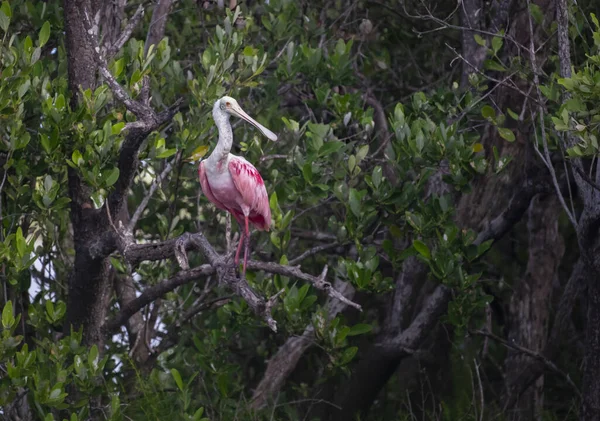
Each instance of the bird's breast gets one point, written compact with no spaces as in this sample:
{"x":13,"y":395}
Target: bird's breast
{"x":224,"y":189}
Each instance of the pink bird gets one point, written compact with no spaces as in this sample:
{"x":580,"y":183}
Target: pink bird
{"x":232,"y":183}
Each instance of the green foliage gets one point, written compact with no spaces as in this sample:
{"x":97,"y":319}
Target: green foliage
{"x":333,"y":174}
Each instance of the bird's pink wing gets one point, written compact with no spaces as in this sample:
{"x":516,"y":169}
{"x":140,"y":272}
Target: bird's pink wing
{"x":251,"y":187}
{"x":206,"y":187}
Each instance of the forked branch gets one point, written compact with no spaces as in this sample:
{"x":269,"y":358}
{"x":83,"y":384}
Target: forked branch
{"x":221,"y":265}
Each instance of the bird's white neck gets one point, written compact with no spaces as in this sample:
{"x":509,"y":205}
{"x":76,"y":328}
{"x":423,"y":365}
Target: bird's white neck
{"x":221,"y":151}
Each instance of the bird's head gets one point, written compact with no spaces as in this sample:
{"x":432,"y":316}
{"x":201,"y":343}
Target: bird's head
{"x":229,"y":106}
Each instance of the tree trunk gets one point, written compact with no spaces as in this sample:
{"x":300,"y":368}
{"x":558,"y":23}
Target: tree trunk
{"x":590,"y":408}
{"x":530,"y":302}
{"x":89,"y":282}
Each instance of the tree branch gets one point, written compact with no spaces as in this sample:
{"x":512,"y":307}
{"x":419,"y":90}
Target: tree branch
{"x":142,"y":206}
{"x":136,"y":253}
{"x":283,"y":363}
{"x":154,"y":292}
{"x":157,"y":25}
{"x":549,"y":364}
{"x":147,"y":121}
{"x":125,"y":33}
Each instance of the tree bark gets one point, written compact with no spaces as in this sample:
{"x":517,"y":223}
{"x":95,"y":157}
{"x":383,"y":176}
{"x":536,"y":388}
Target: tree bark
{"x":590,"y":408}
{"x":530,"y":303}
{"x":89,"y":281}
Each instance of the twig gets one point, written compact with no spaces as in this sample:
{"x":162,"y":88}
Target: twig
{"x":549,"y":364}
{"x":318,"y":282}
{"x":311,"y":252}
{"x":516,"y":88}
{"x":269,"y":157}
{"x":140,"y":209}
{"x":480,"y":388}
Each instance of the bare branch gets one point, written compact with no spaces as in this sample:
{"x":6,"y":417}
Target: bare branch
{"x":140,"y":209}
{"x":155,"y":292}
{"x":312,"y":252}
{"x":136,"y":253}
{"x":549,"y":364}
{"x":410,"y":339}
{"x":126,"y":33}
{"x":294,"y":271}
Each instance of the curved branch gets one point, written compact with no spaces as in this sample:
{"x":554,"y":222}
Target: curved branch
{"x":153,"y":293}
{"x":136,"y":253}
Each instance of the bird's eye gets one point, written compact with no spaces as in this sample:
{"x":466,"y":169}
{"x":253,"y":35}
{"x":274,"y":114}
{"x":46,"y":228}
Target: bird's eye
{"x":222,"y":106}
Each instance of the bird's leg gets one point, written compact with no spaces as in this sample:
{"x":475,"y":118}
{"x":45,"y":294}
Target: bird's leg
{"x":246,"y":244}
{"x":239,"y":248}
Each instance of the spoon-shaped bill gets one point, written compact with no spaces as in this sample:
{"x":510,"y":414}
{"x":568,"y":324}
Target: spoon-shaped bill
{"x":237,"y":111}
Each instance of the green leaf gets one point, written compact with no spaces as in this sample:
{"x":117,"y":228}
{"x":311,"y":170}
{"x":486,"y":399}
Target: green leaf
{"x":4,"y":21}
{"x":512,"y":114}
{"x":354,"y":201}
{"x":362,"y":153}
{"x":77,"y":158}
{"x":167,"y":153}
{"x":348,"y":354}
{"x":377,"y":176}
{"x":118,"y":67}
{"x":479,"y":40}
{"x":496,"y":44}
{"x":494,"y":65}
{"x":44,"y":35}
{"x":422,"y":248}
{"x":23,"y":88}
{"x":177,"y":378}
{"x":60,"y":102}
{"x":198,"y":153}
{"x":488,"y":112}
{"x":360,"y":329}
{"x":7,"y":315}
{"x":5,"y":8}
{"x":21,"y":242}
{"x":307,"y":172}
{"x":112,"y":177}
{"x":351,"y":163}
{"x":198,"y":414}
{"x":93,"y":357}
{"x":330,"y":147}
{"x":506,"y":134}
{"x":117,"y":128}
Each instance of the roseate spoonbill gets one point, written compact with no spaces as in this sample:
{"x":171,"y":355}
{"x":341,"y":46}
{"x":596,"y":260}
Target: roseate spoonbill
{"x":232,"y":183}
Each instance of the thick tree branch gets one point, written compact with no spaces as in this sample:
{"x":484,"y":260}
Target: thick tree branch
{"x":136,"y":253}
{"x":283,"y":363}
{"x":409,"y":340}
